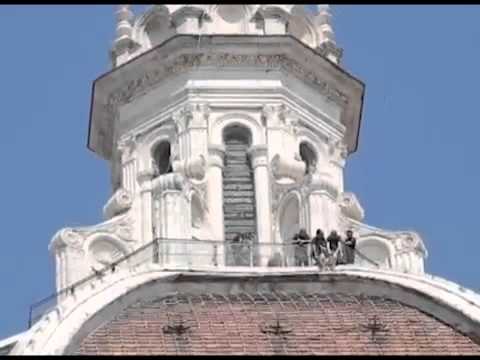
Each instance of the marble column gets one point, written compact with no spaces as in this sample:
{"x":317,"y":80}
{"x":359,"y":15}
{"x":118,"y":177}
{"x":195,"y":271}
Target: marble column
{"x":173,"y":220}
{"x":216,"y":154}
{"x":259,"y":160}
{"x":145,"y":183}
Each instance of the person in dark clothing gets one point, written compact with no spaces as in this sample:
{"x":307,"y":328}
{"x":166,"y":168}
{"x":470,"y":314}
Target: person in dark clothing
{"x":333,"y":242}
{"x":319,"y":246}
{"x":301,"y":241}
{"x":350,"y":243}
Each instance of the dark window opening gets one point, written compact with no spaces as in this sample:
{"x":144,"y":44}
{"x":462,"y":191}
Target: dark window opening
{"x":307,"y":154}
{"x":162,"y":158}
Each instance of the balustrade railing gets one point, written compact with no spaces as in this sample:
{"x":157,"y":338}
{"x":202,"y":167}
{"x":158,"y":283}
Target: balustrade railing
{"x":188,"y":254}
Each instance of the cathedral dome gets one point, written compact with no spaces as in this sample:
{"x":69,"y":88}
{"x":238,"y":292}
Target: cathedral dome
{"x":272,"y":323}
{"x":350,"y":311}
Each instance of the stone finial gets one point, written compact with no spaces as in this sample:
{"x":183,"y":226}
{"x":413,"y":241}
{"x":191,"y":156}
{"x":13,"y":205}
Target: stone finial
{"x":123,"y":39}
{"x":327,"y":45}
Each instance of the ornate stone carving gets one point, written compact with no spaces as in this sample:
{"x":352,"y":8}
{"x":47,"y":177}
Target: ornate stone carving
{"x":338,"y":151}
{"x":410,"y":241}
{"x":325,"y":185}
{"x":171,"y":181}
{"x":105,"y":251}
{"x":126,"y":148}
{"x":181,"y":119}
{"x":187,"y":62}
{"x":258,"y":155}
{"x":199,"y":114}
{"x":330,"y":51}
{"x":120,"y":201}
{"x":351,"y":207}
{"x":283,"y":167}
{"x":216,"y":155}
{"x":68,"y":237}
{"x":191,"y":168}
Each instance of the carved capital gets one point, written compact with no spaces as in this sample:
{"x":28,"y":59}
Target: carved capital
{"x":258,"y":155}
{"x":190,"y":115}
{"x":216,"y":155}
{"x":126,"y":148}
{"x":338,"y":152}
{"x":199,"y":114}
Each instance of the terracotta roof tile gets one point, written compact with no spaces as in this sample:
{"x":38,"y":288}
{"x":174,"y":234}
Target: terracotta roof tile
{"x":247,"y":324}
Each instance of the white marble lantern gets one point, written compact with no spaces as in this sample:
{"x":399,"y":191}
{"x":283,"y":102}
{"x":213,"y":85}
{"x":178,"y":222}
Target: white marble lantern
{"x":223,"y":119}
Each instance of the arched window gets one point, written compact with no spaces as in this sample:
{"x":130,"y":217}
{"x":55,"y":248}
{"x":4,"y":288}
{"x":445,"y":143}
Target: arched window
{"x":161,"y":157}
{"x":238,"y":184}
{"x":308,"y":156}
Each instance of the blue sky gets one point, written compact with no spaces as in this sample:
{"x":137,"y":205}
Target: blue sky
{"x":416,"y":168}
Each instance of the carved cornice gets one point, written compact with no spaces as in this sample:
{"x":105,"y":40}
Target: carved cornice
{"x":187,"y":62}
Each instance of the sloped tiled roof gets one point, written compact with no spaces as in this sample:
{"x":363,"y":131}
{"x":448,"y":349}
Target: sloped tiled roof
{"x":274,"y":323}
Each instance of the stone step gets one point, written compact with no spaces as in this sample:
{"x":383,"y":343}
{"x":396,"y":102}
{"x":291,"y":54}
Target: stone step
{"x":239,"y":201}
{"x":237,"y":194}
{"x":243,"y":222}
{"x":237,"y":187}
{"x":238,"y":207}
{"x":238,"y":215}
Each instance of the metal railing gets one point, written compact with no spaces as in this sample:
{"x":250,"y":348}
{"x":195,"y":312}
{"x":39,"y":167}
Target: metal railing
{"x":186,"y":254}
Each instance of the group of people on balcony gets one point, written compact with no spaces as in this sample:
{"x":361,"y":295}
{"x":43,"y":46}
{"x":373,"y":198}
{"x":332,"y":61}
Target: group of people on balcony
{"x":325,"y":252}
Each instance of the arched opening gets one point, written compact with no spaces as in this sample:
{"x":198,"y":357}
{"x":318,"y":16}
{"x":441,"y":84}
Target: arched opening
{"x":238,"y":195}
{"x":373,"y":251}
{"x":308,"y":156}
{"x":161,"y":157}
{"x":289,"y":225}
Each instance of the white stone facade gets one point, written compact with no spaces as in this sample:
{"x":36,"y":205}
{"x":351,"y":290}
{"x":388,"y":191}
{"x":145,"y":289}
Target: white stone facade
{"x":184,"y":95}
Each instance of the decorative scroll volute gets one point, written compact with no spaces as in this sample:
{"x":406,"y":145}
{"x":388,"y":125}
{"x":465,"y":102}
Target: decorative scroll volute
{"x":283,"y":167}
{"x":191,"y":168}
{"x":120,"y":201}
